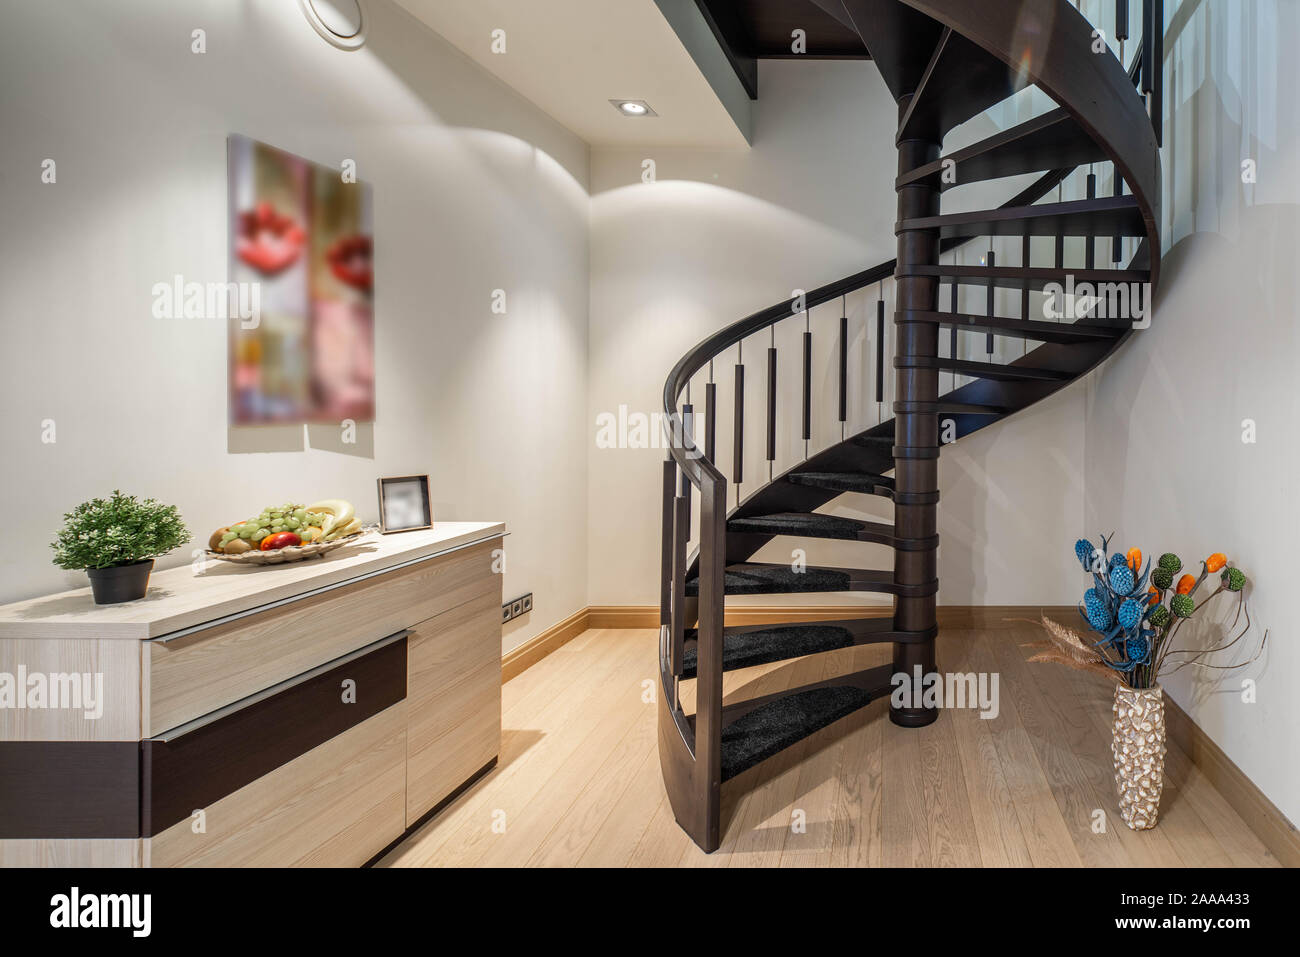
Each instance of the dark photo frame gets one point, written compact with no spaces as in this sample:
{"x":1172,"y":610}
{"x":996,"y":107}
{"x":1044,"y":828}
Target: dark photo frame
{"x":404,"y":504}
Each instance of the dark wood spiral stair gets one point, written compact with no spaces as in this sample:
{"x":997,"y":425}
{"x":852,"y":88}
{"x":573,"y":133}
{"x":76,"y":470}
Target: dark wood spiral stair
{"x":944,"y":62}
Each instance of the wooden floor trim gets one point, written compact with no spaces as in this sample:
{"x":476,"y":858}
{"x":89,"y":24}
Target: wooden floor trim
{"x":518,"y":660}
{"x":1263,"y":817}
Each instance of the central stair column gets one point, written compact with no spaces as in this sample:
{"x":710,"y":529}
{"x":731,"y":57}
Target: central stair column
{"x":916,"y":454}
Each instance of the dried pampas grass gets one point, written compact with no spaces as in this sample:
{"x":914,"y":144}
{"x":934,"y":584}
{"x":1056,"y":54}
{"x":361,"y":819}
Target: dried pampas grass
{"x":1067,"y":648}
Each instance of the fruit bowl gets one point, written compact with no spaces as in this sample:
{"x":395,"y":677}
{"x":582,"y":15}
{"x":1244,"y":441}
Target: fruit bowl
{"x":290,"y":553}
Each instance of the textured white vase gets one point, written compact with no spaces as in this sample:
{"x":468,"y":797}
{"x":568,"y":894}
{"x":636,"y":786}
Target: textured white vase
{"x":1138,"y":746}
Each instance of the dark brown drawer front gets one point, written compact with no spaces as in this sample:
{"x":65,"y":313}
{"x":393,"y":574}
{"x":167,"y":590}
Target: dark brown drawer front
{"x":69,"y":789}
{"x":201,"y":763}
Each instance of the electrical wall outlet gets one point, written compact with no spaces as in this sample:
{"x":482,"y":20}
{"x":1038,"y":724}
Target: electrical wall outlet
{"x":516,"y":607}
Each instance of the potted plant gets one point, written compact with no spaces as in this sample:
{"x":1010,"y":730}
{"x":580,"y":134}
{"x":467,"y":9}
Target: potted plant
{"x":1137,"y":622}
{"x":116,"y":540}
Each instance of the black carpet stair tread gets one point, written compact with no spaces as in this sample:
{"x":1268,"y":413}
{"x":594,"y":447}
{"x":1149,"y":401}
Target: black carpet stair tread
{"x":776,"y":643}
{"x":1101,"y":216}
{"x":813,"y":525}
{"x":762,"y":578}
{"x":1038,"y":330}
{"x":773,"y":727}
{"x":746,"y":646}
{"x":1020,"y":277}
{"x":868,"y":483}
{"x":1054,"y":140}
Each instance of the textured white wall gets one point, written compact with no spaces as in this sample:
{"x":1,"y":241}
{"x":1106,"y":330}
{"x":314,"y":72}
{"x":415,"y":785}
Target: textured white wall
{"x":1166,"y":465}
{"x":721,"y":235}
{"x":474,"y":189}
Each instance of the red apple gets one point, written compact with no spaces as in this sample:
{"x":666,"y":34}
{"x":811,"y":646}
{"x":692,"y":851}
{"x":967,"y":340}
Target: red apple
{"x":279,"y":540}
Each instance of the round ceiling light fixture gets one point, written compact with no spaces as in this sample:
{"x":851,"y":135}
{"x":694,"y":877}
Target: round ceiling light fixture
{"x":340,"y":22}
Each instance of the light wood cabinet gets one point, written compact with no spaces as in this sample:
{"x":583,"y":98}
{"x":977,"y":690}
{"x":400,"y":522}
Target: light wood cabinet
{"x":310,"y":725}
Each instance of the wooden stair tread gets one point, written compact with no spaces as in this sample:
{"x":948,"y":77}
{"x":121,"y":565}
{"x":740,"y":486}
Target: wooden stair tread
{"x":1037,"y":329}
{"x":1032,"y":277}
{"x":1051,"y":141}
{"x":1102,"y":216}
{"x":1005,"y":372}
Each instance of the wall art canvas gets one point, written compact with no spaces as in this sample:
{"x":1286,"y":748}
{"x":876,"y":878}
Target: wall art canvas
{"x":301,"y":238}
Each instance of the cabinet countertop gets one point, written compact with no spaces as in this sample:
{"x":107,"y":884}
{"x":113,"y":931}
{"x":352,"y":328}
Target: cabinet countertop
{"x":178,"y":598}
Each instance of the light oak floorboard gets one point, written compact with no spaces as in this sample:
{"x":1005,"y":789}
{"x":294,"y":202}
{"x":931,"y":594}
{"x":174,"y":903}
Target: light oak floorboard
{"x":579,"y":777}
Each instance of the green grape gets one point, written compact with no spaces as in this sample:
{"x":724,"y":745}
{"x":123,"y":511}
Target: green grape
{"x":293,"y":523}
{"x":300,"y":513}
{"x":228,"y":537}
{"x":246,"y":532}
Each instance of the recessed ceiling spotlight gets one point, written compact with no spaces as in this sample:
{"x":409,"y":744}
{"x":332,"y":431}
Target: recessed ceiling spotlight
{"x":341,"y":22}
{"x":633,"y":107}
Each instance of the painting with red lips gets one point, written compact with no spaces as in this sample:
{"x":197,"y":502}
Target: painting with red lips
{"x":302,"y":233}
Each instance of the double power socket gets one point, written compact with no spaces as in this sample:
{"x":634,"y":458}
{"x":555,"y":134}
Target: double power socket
{"x":519,"y":606}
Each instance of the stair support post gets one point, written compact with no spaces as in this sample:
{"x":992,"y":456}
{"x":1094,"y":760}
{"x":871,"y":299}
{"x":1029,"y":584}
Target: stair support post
{"x":916,"y":463}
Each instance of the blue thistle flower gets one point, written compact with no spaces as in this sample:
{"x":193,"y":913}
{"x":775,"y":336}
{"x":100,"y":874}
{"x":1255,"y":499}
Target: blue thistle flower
{"x":1121,"y":578}
{"x":1130,"y":613}
{"x":1098,"y":612}
{"x":1116,"y":560}
{"x":1083,"y":551}
{"x":1137,"y":649}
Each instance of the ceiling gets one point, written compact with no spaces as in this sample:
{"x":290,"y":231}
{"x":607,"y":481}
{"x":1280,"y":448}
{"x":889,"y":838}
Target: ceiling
{"x":571,"y":57}
{"x":763,"y":29}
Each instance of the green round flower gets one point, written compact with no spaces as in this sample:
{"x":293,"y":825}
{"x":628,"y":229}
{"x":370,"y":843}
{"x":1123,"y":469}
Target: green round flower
{"x":1182,"y":605}
{"x":1162,"y":578}
{"x":1170,"y":563}
{"x":1234,"y":579}
{"x":1159,"y":616}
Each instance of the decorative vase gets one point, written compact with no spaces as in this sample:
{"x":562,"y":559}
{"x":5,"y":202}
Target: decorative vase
{"x":120,"y":582}
{"x":1138,"y":747}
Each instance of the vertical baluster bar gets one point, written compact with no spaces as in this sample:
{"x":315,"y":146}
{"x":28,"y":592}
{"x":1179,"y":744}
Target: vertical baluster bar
{"x":1090,"y":250}
{"x":880,"y":349}
{"x":666,"y":558}
{"x":771,"y":404}
{"x":710,"y":420}
{"x":688,"y":441}
{"x":1117,"y":242}
{"x":738,"y":435}
{"x":1121,"y":21}
{"x":844,"y":367}
{"x":807,"y":386}
{"x":677,"y":628}
{"x":1148,"y":44}
{"x":989,"y":298}
{"x":1158,"y":70}
{"x":952,"y":307}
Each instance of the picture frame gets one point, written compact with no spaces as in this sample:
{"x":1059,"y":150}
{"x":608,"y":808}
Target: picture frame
{"x":404,"y":504}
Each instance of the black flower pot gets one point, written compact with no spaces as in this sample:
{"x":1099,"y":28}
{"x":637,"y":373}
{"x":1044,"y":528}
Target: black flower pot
{"x":120,"y":582}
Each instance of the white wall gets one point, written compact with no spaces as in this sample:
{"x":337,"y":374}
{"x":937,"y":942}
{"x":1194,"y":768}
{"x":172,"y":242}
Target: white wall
{"x":474,"y":189}
{"x":721,"y":235}
{"x":1166,"y":465}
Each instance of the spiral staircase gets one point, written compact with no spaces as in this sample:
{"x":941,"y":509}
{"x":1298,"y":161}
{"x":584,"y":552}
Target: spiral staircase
{"x":944,"y":62}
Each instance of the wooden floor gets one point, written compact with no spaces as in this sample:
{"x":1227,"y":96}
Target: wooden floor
{"x":578,"y":780}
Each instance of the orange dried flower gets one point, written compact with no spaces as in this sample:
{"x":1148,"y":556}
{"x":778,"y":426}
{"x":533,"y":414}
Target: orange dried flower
{"x":1134,"y":556}
{"x":1153,"y":596}
{"x":1186,"y":584}
{"x":1216,"y":562}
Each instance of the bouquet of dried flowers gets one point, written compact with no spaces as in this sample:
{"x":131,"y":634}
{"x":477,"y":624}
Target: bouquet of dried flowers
{"x":1138,"y":614}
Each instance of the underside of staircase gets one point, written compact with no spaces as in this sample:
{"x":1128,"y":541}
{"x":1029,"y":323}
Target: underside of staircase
{"x":944,"y":62}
